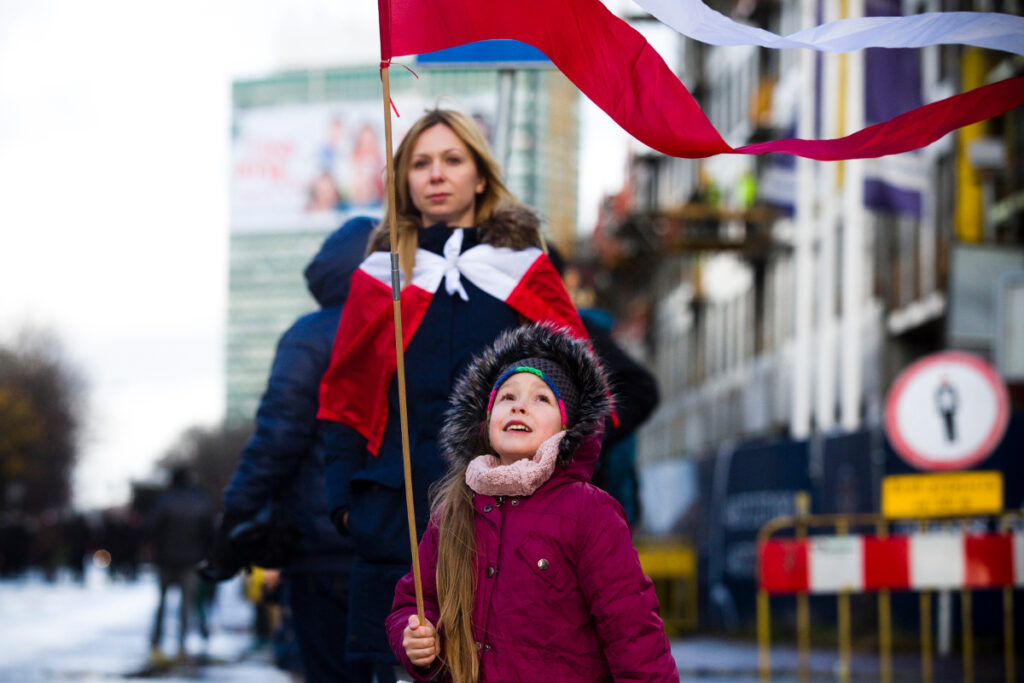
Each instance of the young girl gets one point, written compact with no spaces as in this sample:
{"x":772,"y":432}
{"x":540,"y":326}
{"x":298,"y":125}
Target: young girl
{"x":528,"y":571}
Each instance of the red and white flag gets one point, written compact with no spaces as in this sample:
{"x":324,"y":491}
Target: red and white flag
{"x":354,"y":389}
{"x":614,"y":66}
{"x":990,"y":30}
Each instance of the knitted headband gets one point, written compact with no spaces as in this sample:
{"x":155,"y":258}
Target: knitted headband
{"x":553,"y":375}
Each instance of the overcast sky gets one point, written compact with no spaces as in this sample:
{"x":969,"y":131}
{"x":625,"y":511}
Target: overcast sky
{"x":114,"y":141}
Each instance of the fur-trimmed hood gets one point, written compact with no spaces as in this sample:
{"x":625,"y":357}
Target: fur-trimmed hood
{"x":464,"y":435}
{"x":514,"y":227}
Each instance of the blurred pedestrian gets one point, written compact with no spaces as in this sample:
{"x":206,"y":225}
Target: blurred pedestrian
{"x":283,"y":464}
{"x":122,"y":537}
{"x":16,"y":541}
{"x":262,"y":588}
{"x":636,"y":395}
{"x":206,"y":596}
{"x":48,"y":543}
{"x":473,"y":266}
{"x":529,"y":572}
{"x":180,"y":529}
{"x":77,"y":541}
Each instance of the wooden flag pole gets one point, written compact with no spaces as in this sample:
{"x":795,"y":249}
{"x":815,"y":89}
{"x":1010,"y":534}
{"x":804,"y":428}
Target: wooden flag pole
{"x":396,"y":287}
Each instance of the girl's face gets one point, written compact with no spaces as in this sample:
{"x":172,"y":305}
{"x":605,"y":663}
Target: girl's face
{"x":443,"y":178}
{"x":524,"y":415}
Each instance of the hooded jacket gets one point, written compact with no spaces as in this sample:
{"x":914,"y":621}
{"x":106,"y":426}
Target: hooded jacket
{"x":371,"y":488}
{"x":284,"y":458}
{"x":560,"y":594}
{"x":180,"y":524}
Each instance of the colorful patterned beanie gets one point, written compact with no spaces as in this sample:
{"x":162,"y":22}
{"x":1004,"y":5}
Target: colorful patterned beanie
{"x":554,"y":376}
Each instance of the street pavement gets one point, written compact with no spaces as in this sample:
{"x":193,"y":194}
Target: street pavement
{"x":100,"y":631}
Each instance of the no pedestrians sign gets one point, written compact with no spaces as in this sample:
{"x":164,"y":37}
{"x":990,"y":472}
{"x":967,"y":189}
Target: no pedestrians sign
{"x":947,"y":411}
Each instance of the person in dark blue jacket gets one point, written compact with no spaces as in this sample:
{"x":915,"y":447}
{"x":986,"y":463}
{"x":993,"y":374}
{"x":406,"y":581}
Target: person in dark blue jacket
{"x":180,"y":525}
{"x":284,"y":462}
{"x":473,"y":267}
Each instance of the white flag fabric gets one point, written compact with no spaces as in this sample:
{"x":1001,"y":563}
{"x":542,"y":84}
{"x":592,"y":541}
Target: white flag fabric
{"x":992,"y":30}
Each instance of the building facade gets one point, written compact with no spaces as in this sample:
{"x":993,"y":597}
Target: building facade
{"x":779,"y":297}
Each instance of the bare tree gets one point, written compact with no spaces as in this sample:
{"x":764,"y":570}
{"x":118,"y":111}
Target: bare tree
{"x":42,"y":404}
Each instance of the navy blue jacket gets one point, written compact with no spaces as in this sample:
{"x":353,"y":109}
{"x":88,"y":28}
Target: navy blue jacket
{"x":181,"y":526}
{"x":284,"y":459}
{"x":371,"y":489}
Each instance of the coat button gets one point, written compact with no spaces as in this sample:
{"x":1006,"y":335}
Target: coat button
{"x":490,"y":572}
{"x":515,"y":501}
{"x":487,"y":648}
{"x":542,"y":564}
{"x":487,"y":508}
{"x":477,"y":643}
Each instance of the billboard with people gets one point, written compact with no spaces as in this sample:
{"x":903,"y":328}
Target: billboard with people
{"x":291,"y":163}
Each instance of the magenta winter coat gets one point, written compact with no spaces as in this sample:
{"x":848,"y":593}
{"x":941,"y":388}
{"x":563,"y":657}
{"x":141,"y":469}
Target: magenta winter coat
{"x":560,"y":592}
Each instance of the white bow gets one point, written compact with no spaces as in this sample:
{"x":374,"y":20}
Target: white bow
{"x":495,"y":270}
{"x":452,"y":256}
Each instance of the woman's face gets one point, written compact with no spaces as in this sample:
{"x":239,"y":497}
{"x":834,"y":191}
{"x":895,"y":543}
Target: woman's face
{"x":525,"y":414}
{"x":443,"y":178}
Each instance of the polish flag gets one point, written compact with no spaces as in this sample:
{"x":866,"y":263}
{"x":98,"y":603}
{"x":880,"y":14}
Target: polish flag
{"x":354,"y":389}
{"x":614,"y":66}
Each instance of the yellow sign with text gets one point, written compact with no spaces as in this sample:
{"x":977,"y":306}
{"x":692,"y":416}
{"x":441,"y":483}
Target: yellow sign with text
{"x":945,"y":494}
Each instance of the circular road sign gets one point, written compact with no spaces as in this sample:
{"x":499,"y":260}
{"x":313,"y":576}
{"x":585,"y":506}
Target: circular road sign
{"x":947,"y":411}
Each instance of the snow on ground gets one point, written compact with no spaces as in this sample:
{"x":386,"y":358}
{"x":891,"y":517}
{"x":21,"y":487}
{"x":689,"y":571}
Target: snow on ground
{"x":100,"y":630}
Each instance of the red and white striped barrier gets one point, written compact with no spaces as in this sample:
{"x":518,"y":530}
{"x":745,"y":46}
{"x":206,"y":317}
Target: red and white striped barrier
{"x":943,"y":560}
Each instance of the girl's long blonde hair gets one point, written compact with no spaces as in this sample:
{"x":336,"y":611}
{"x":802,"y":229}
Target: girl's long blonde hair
{"x":409,"y":220}
{"x":456,"y":574}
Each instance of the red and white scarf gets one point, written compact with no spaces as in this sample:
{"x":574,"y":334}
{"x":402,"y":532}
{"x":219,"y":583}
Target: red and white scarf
{"x":354,"y":389}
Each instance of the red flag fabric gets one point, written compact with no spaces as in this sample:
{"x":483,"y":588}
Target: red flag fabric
{"x":384,"y":18}
{"x":613,"y":65}
{"x":354,"y":389}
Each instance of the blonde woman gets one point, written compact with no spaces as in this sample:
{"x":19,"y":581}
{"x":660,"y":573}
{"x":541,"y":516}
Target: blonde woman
{"x":472,"y":266}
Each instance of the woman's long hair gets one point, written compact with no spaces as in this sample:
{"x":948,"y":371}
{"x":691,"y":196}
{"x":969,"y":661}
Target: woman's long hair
{"x":494,"y":194}
{"x":456,"y":574}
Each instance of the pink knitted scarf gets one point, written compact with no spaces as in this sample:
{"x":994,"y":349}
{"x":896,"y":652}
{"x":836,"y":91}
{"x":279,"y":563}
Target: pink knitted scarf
{"x":488,"y":476}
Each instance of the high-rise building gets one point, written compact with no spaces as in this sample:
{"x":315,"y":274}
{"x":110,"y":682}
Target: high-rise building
{"x":308,"y":153}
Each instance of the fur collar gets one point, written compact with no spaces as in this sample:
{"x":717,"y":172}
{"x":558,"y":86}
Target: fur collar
{"x":514,"y":227}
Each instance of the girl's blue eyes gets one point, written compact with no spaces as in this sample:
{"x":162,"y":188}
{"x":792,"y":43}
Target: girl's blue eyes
{"x":539,"y":397}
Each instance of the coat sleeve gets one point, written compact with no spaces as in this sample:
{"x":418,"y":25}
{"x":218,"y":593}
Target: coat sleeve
{"x":621,"y":597}
{"x":633,"y":387}
{"x":344,"y":454}
{"x":404,"y":605}
{"x":285,"y":423}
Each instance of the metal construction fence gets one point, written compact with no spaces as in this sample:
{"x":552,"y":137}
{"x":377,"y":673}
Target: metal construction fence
{"x":843,"y":555}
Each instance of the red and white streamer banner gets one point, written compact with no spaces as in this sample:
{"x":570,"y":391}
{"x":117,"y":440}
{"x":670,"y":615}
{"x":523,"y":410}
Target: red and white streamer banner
{"x":927,"y":561}
{"x":992,"y":30}
{"x":614,"y":66}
